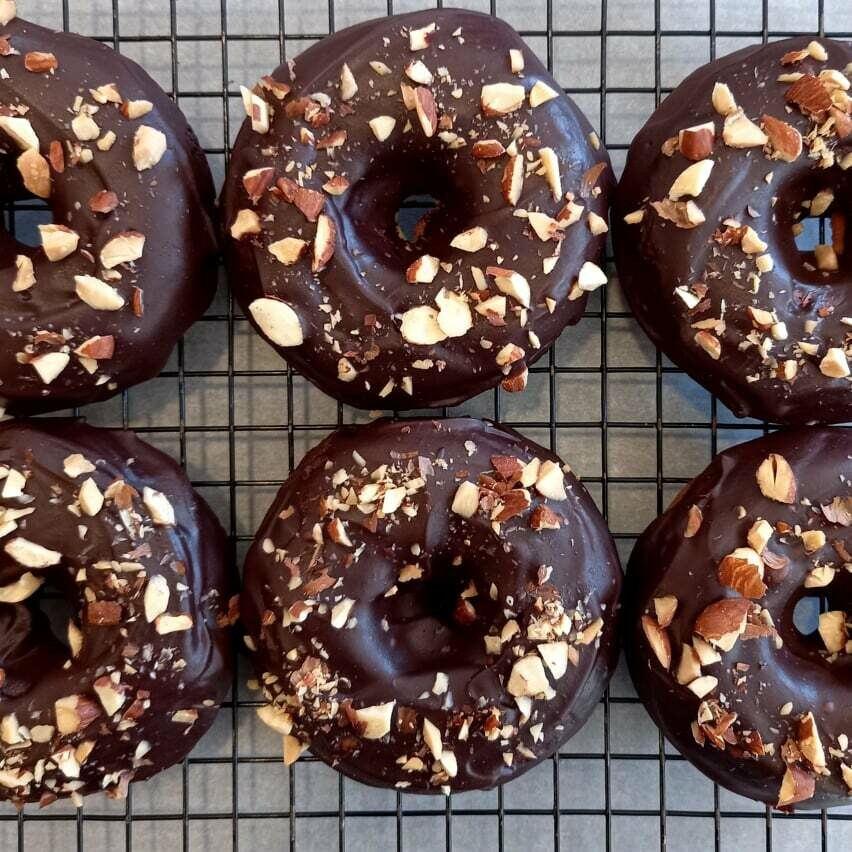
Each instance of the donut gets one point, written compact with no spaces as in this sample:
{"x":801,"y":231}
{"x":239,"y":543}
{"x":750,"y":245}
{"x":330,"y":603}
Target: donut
{"x":748,"y":154}
{"x":431,"y":605}
{"x":742,"y":682}
{"x":127,"y":684}
{"x":127,"y":263}
{"x":442,"y":105}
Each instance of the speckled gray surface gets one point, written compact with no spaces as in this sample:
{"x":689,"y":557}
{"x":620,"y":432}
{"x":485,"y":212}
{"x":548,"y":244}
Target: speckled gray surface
{"x":614,"y":413}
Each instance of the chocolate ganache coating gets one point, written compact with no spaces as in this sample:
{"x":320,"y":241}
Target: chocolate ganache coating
{"x":720,"y":651}
{"x":432,"y":605}
{"x":113,"y":526}
{"x":128,"y":262}
{"x":447,"y":104}
{"x":718,"y":185}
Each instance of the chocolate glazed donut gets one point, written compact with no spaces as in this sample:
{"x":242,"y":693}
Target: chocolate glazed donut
{"x":718,"y":185}
{"x":144,"y":659}
{"x":127,"y":265}
{"x":718,"y":647}
{"x":446,"y":104}
{"x":432,"y":605}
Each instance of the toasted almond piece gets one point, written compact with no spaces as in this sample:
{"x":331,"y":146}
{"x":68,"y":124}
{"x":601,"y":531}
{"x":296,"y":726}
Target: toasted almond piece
{"x":466,"y":499}
{"x":156,"y":600}
{"x":541,"y":93}
{"x":785,"y":142}
{"x":550,"y":482}
{"x":826,"y":258}
{"x":432,"y":738}
{"x":246,"y":222}
{"x":500,"y":98}
{"x":813,"y":540}
{"x":136,"y":109}
{"x":722,"y":622}
{"x":597,"y":224}
{"x":166,"y":623}
{"x":427,"y":112}
{"x":819,"y":577}
{"x":149,"y":146}
{"x":509,"y":354}
{"x":31,"y":555}
{"x":707,"y":654}
{"x":511,"y":283}
{"x":74,"y":713}
{"x":821,"y":202}
{"x":112,"y":697}
{"x":122,"y":248}
{"x":832,"y":630}
{"x":419,"y":73}
{"x":276,"y":718}
{"x":454,"y":318}
{"x":376,"y":720}
{"x":751,"y":242}
{"x":723,"y":99}
{"x":257,"y":110}
{"x":739,"y":131}
{"x":665,"y":608}
{"x":382,"y":126}
{"x":487,"y":149}
{"x":278,"y":321}
{"x":57,"y":241}
{"x":20,"y":131}
{"x":691,"y":180}
{"x":336,"y":185}
{"x":759,"y":535}
{"x":689,"y":667}
{"x":835,"y":364}
{"x":8,"y":11}
{"x":555,"y":657}
{"x":696,"y":143}
{"x":807,"y":738}
{"x":590,"y":277}
{"x":776,"y":480}
{"x":659,"y":641}
{"x":24,"y":274}
{"x":516,"y":61}
{"x":635,"y":217}
{"x":97,"y":348}
{"x":512,"y":181}
{"x":159,"y":507}
{"x":550,"y":164}
{"x":742,"y":571}
{"x":408,"y":98}
{"x":685,"y":214}
{"x":25,"y":586}
{"x":471,"y":240}
{"x":257,"y":181}
{"x":528,"y":677}
{"x":423,"y":270}
{"x":420,"y":326}
{"x":287,"y":250}
{"x":91,"y":498}
{"x":84,"y":127}
{"x":325,"y":241}
{"x":348,"y":86}
{"x":97,"y":294}
{"x":703,"y":685}
{"x":516,"y":381}
{"x":694,"y":519}
{"x":35,"y":172}
{"x":709,"y":343}
{"x":421,"y":38}
{"x":293,"y":749}
{"x":796,"y":786}
{"x":50,"y":365}
{"x":76,"y":465}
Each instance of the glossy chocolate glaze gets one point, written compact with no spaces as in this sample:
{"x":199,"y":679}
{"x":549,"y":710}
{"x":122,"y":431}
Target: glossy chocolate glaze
{"x":171,"y":204}
{"x":655,"y":256}
{"x":352,"y":309}
{"x":756,"y":677}
{"x":167,"y":685}
{"x":404,"y":627}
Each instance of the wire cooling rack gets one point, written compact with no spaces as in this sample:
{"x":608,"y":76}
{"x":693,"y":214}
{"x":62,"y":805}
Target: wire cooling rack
{"x":631,"y":425}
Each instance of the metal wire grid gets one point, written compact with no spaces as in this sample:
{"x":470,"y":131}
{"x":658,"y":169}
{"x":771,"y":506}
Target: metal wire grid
{"x":556,"y":819}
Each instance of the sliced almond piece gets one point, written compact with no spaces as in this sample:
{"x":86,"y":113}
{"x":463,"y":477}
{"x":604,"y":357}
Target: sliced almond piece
{"x":97,"y":294}
{"x":659,"y":641}
{"x":419,"y":73}
{"x":50,"y":365}
{"x":25,"y":586}
{"x":423,"y":270}
{"x":721,"y":623}
{"x":516,"y":61}
{"x":511,"y":283}
{"x":691,"y":180}
{"x":832,"y":630}
{"x":785,"y":142}
{"x":91,"y":498}
{"x":58,"y":242}
{"x":246,"y":222}
{"x":703,"y":685}
{"x":31,"y":555}
{"x":122,"y":248}
{"x":375,"y":720}
{"x":689,"y":667}
{"x":156,"y":600}
{"x":512,"y":182}
{"x":278,"y":321}
{"x":35,"y":172}
{"x":24,"y":274}
{"x":149,"y":146}
{"x":541,"y":93}
{"x":723,"y":99}
{"x":487,"y":149}
{"x":348,"y":86}
{"x":796,"y":786}
{"x":20,"y":131}
{"x":287,"y":250}
{"x":454,"y":318}
{"x":835,"y":365}
{"x":325,"y":241}
{"x":466,"y":500}
{"x":550,"y":481}
{"x":696,"y":143}
{"x":550,"y":164}
{"x":590,"y":277}
{"x":382,"y":126}
{"x":528,"y":677}
{"x":427,"y":112}
{"x":739,"y":131}
{"x":471,"y":240}
{"x":500,"y":98}
{"x":665,"y":608}
{"x":420,"y":326}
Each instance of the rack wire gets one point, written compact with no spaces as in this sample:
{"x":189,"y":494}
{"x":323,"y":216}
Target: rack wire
{"x":629,"y":422}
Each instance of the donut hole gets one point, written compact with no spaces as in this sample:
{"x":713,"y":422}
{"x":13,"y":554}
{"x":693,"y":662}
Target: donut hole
{"x":817,"y":216}
{"x":57,"y":609}
{"x":806,"y":615}
{"x":445,"y":589}
{"x":412,"y":216}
